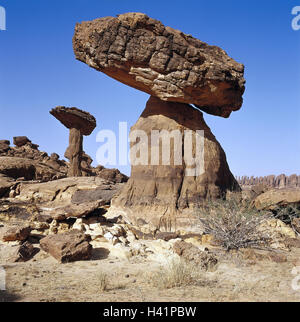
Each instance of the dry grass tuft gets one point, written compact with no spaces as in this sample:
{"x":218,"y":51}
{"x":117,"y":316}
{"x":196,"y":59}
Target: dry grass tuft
{"x":103,"y":281}
{"x":176,"y":273}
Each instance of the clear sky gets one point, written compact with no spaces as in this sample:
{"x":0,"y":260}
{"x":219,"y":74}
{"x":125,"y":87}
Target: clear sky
{"x":38,"y":71}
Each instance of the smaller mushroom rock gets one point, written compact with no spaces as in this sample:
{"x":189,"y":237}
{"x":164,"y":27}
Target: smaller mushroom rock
{"x":80,"y":123}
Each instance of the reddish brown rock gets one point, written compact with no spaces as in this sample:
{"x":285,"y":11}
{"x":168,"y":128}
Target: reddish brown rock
{"x":141,"y":52}
{"x":80,"y":123}
{"x":4,"y":146}
{"x":67,"y":247}
{"x":193,"y":254}
{"x":18,"y":233}
{"x":166,"y":196}
{"x":21,"y":140}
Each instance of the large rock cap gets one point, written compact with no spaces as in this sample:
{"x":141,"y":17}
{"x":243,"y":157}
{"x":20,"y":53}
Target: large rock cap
{"x":72,"y":117}
{"x":141,"y":52}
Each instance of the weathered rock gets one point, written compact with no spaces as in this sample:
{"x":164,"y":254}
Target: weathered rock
{"x":17,"y":253}
{"x":18,"y":233}
{"x":15,"y":213}
{"x":141,"y":52}
{"x":21,"y":140}
{"x":192,"y":253}
{"x":15,"y":167}
{"x":165,"y":196}
{"x":262,"y":255}
{"x":113,"y":175}
{"x":80,"y":123}
{"x":68,"y":190}
{"x":281,"y":181}
{"x":277,"y":198}
{"x":67,"y":247}
{"x":74,"y":210}
{"x":4,"y":146}
{"x":296,"y":224}
{"x":68,"y":197}
{"x":6,"y":184}
{"x":275,"y":228}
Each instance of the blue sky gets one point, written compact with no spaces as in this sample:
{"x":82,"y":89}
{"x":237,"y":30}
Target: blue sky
{"x":38,"y":71}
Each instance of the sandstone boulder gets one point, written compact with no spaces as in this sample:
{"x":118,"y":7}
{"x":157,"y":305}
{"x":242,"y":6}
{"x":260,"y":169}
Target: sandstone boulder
{"x":277,"y":198}
{"x":141,"y":52}
{"x":67,"y":247}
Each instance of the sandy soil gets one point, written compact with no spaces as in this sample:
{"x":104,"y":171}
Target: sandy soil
{"x":44,"y":279}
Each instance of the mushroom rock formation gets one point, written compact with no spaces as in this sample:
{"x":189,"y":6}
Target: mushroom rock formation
{"x":141,"y":52}
{"x":80,"y":123}
{"x":177,"y":70}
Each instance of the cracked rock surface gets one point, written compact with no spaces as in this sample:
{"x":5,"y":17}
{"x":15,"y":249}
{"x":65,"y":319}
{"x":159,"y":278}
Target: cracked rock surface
{"x":141,"y":52}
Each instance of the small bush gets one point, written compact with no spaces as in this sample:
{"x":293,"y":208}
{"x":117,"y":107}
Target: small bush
{"x":233,"y":225}
{"x":175,"y":273}
{"x":103,"y":281}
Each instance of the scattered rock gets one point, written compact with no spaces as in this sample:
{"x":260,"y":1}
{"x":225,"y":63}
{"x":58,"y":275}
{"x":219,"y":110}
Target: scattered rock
{"x":192,"y":253}
{"x":17,"y":253}
{"x":15,"y":233}
{"x":67,"y":247}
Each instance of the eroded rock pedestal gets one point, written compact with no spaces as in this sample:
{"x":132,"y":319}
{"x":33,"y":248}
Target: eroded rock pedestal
{"x":167,"y":196}
{"x":176,"y":70}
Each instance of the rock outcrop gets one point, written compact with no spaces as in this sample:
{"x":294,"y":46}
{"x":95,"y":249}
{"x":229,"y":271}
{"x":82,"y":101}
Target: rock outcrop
{"x":166,"y":195}
{"x":27,"y":169}
{"x":271,"y":181}
{"x":141,"y":52}
{"x":80,"y":123}
{"x":27,"y":162}
{"x":69,"y":197}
